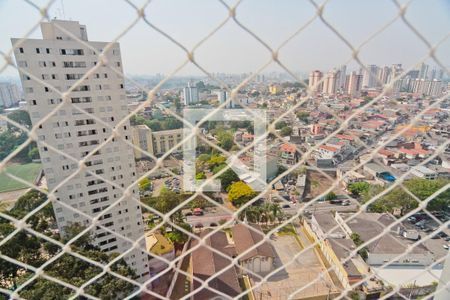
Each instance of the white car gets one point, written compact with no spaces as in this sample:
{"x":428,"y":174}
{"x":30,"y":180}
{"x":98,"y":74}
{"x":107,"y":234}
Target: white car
{"x":445,"y":247}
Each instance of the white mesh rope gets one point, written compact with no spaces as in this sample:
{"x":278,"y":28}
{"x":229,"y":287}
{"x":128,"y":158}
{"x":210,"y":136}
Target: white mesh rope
{"x":174,"y":265}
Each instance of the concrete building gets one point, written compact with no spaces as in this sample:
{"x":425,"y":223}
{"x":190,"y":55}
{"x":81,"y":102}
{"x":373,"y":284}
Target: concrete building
{"x":314,"y":78}
{"x":426,"y":87}
{"x":9,"y":95}
{"x":61,"y":60}
{"x":288,"y":155}
{"x":424,"y":172}
{"x":190,"y":95}
{"x":206,"y":263}
{"x":260,"y":259}
{"x":222,"y":96}
{"x":383,"y":75}
{"x":154,"y":142}
{"x":353,"y":84}
{"x":423,"y":74}
{"x":342,"y":77}
{"x":330,"y":84}
{"x":386,"y":246}
{"x":370,"y":77}
{"x":336,"y":247}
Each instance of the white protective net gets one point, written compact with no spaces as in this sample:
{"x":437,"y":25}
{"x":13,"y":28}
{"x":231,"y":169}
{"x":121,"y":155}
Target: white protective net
{"x":286,"y":278}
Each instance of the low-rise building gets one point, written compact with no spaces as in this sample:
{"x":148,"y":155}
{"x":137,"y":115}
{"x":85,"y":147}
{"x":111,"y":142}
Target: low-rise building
{"x":385,"y":246}
{"x":424,"y":172}
{"x":288,"y":155}
{"x":337,"y":249}
{"x":156,"y":143}
{"x":259,"y":259}
{"x":207,"y":263}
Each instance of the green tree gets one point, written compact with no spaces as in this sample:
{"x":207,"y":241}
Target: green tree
{"x":154,"y":125}
{"x":9,"y":141}
{"x":171,"y":123}
{"x":239,"y":193}
{"x":137,"y":120}
{"x":358,"y":188}
{"x":203,"y":157}
{"x":285,"y":131}
{"x":145,"y":184}
{"x":330,"y":196}
{"x":199,"y":202}
{"x":398,"y":197}
{"x":200,"y":176}
{"x":20,"y":116}
{"x":280,"y":125}
{"x":227,"y":178}
{"x":303,"y":116}
{"x":216,"y":160}
{"x":33,"y":153}
{"x":355,"y":237}
{"x":225,"y":140}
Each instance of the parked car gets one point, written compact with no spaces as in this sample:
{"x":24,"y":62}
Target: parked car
{"x":387,"y":176}
{"x":412,"y":219}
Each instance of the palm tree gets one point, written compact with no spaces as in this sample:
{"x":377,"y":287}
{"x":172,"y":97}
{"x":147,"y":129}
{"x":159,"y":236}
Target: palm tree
{"x":275,"y":209}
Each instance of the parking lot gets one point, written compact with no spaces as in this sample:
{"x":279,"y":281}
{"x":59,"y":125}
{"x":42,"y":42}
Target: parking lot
{"x":426,"y":225}
{"x":299,"y":273}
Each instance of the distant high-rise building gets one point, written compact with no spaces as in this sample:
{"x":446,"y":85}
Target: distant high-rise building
{"x":353,"y":85}
{"x":383,"y":75}
{"x":342,"y":77}
{"x":330,"y":82}
{"x":370,"y":77}
{"x":314,"y":78}
{"x":61,"y":61}
{"x":440,"y":75}
{"x":421,"y":86}
{"x":433,"y":74}
{"x":190,"y":95}
{"x":423,"y":71}
{"x":398,"y":84}
{"x":9,"y":94}
{"x":223,"y":96}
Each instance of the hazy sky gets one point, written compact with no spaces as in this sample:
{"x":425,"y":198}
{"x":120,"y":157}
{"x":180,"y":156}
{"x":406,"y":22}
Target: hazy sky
{"x":232,"y":50}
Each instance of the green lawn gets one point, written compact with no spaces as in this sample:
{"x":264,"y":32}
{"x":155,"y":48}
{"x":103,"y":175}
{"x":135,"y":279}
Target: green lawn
{"x":27,"y":172}
{"x":163,"y":245}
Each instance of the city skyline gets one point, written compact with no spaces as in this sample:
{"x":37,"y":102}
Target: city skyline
{"x":231,"y":50}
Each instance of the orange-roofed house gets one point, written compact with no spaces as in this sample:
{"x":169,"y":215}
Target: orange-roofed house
{"x":327,"y":152}
{"x":373,"y":125}
{"x":345,"y":137}
{"x":413,"y":152}
{"x":247,"y":137}
{"x":288,"y":154}
{"x":387,"y":156}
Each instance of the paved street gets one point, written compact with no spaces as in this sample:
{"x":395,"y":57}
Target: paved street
{"x":321,"y":206}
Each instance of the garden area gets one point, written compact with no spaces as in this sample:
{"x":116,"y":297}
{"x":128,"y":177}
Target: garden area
{"x":27,"y":172}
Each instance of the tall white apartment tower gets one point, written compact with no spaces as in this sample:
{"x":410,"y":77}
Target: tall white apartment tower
{"x":60,"y":60}
{"x":314,"y":78}
{"x":370,"y":76}
{"x":190,"y":94}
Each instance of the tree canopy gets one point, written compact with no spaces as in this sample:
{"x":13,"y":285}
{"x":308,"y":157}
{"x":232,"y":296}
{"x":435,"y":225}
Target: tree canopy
{"x":29,"y":249}
{"x":399,"y":198}
{"x":240,"y":192}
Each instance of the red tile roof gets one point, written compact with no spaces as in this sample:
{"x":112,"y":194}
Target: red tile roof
{"x":329,"y":148}
{"x":345,"y":137}
{"x":287,"y":148}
